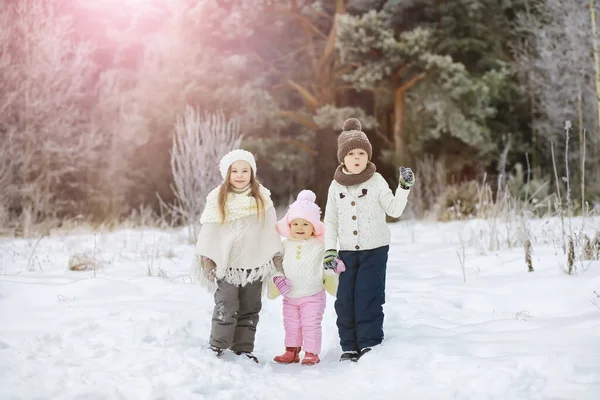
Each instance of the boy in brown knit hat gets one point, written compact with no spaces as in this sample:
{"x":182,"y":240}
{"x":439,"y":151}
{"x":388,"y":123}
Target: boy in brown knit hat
{"x":355,"y":216}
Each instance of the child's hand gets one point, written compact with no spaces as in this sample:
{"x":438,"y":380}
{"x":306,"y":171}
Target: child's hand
{"x":210,"y":274}
{"x":340,"y":267}
{"x":407,"y":178}
{"x":278,"y":262}
{"x":330,"y":259}
{"x":209,"y":269}
{"x":283,"y":284}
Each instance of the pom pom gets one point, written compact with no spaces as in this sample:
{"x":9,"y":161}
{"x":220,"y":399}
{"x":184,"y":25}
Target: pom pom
{"x":307,"y":195}
{"x":352,"y":124}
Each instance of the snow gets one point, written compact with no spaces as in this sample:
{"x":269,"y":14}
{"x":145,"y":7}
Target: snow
{"x":138,"y":327}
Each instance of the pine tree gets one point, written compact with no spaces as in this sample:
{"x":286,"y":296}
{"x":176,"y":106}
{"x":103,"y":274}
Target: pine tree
{"x":452,"y":101}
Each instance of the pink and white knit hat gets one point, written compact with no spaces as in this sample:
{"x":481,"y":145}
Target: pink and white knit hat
{"x":304,"y":207}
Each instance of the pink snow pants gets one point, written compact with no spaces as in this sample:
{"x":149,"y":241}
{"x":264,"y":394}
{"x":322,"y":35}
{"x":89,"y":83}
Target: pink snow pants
{"x":302,"y":318}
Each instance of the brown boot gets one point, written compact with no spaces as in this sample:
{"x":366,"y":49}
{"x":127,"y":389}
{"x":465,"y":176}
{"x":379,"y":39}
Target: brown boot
{"x":290,"y":356}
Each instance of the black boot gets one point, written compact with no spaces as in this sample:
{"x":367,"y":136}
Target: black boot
{"x":247,"y":354}
{"x":350,"y":356}
{"x":364,"y":351}
{"x":218,"y":352}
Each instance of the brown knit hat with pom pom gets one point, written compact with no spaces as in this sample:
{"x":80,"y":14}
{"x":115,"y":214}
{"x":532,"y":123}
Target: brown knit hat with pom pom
{"x":352,"y":138}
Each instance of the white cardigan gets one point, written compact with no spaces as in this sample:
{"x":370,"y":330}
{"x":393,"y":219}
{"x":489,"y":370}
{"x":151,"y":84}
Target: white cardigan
{"x":303,"y":266}
{"x":355,"y":215}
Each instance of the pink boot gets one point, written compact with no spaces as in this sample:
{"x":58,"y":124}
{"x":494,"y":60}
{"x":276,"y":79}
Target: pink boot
{"x":310,"y":359}
{"x":290,"y":356}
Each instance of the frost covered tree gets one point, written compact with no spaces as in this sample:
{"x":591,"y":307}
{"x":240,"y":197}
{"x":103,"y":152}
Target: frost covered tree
{"x":556,"y":62}
{"x":45,"y":80}
{"x":181,"y":61}
{"x":302,"y":73}
{"x":63,"y":119}
{"x":436,"y":94}
{"x":305,"y":73}
{"x":199,"y":141}
{"x":9,"y":164}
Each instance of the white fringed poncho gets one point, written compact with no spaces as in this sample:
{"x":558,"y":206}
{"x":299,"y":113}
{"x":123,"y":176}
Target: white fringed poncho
{"x":243,"y":246}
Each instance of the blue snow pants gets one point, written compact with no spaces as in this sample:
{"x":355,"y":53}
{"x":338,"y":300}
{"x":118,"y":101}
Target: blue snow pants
{"x":360,"y":298}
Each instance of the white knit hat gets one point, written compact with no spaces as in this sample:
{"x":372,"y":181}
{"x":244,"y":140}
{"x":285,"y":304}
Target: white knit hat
{"x":233,"y":156}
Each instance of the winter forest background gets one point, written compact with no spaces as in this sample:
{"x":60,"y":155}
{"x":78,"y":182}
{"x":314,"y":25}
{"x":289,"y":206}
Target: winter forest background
{"x":115,"y":112}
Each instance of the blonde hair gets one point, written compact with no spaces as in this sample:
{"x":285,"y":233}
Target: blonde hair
{"x":226,"y":187}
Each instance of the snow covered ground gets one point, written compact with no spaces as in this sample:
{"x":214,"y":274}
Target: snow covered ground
{"x":138,"y":327}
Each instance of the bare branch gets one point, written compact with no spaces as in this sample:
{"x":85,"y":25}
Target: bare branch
{"x":309,"y":123}
{"x":198,"y":142}
{"x":310,"y":100}
{"x":412,"y":82}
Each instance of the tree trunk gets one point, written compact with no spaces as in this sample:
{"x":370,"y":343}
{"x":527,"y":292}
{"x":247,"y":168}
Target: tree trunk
{"x":535,"y":164}
{"x":325,"y":164}
{"x":316,"y":91}
{"x":400,"y":150}
{"x":534,"y":157}
{"x":596,"y":63}
{"x":581,"y":143}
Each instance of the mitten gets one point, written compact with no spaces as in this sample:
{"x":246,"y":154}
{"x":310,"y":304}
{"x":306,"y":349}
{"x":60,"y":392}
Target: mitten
{"x":209,"y":269}
{"x":283,"y":284}
{"x":331,"y":280}
{"x":278,"y":262}
{"x":407,"y":178}
{"x":330,"y":259}
{"x":340,"y":267}
{"x":272,"y":291}
{"x":210,"y":274}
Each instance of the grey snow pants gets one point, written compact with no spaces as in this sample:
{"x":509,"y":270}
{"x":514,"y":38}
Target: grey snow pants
{"x":235,"y":316}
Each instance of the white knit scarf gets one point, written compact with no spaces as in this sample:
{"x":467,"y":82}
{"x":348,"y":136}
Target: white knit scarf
{"x":238,"y":205}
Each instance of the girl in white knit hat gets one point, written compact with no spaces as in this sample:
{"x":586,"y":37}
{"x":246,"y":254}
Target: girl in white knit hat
{"x":304,"y":281}
{"x":238,"y":249}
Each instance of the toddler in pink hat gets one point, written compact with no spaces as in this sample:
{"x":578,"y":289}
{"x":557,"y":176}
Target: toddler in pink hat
{"x":304,"y":281}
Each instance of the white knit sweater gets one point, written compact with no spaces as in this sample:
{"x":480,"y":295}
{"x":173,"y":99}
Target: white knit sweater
{"x":357,"y":220}
{"x":303,"y":266}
